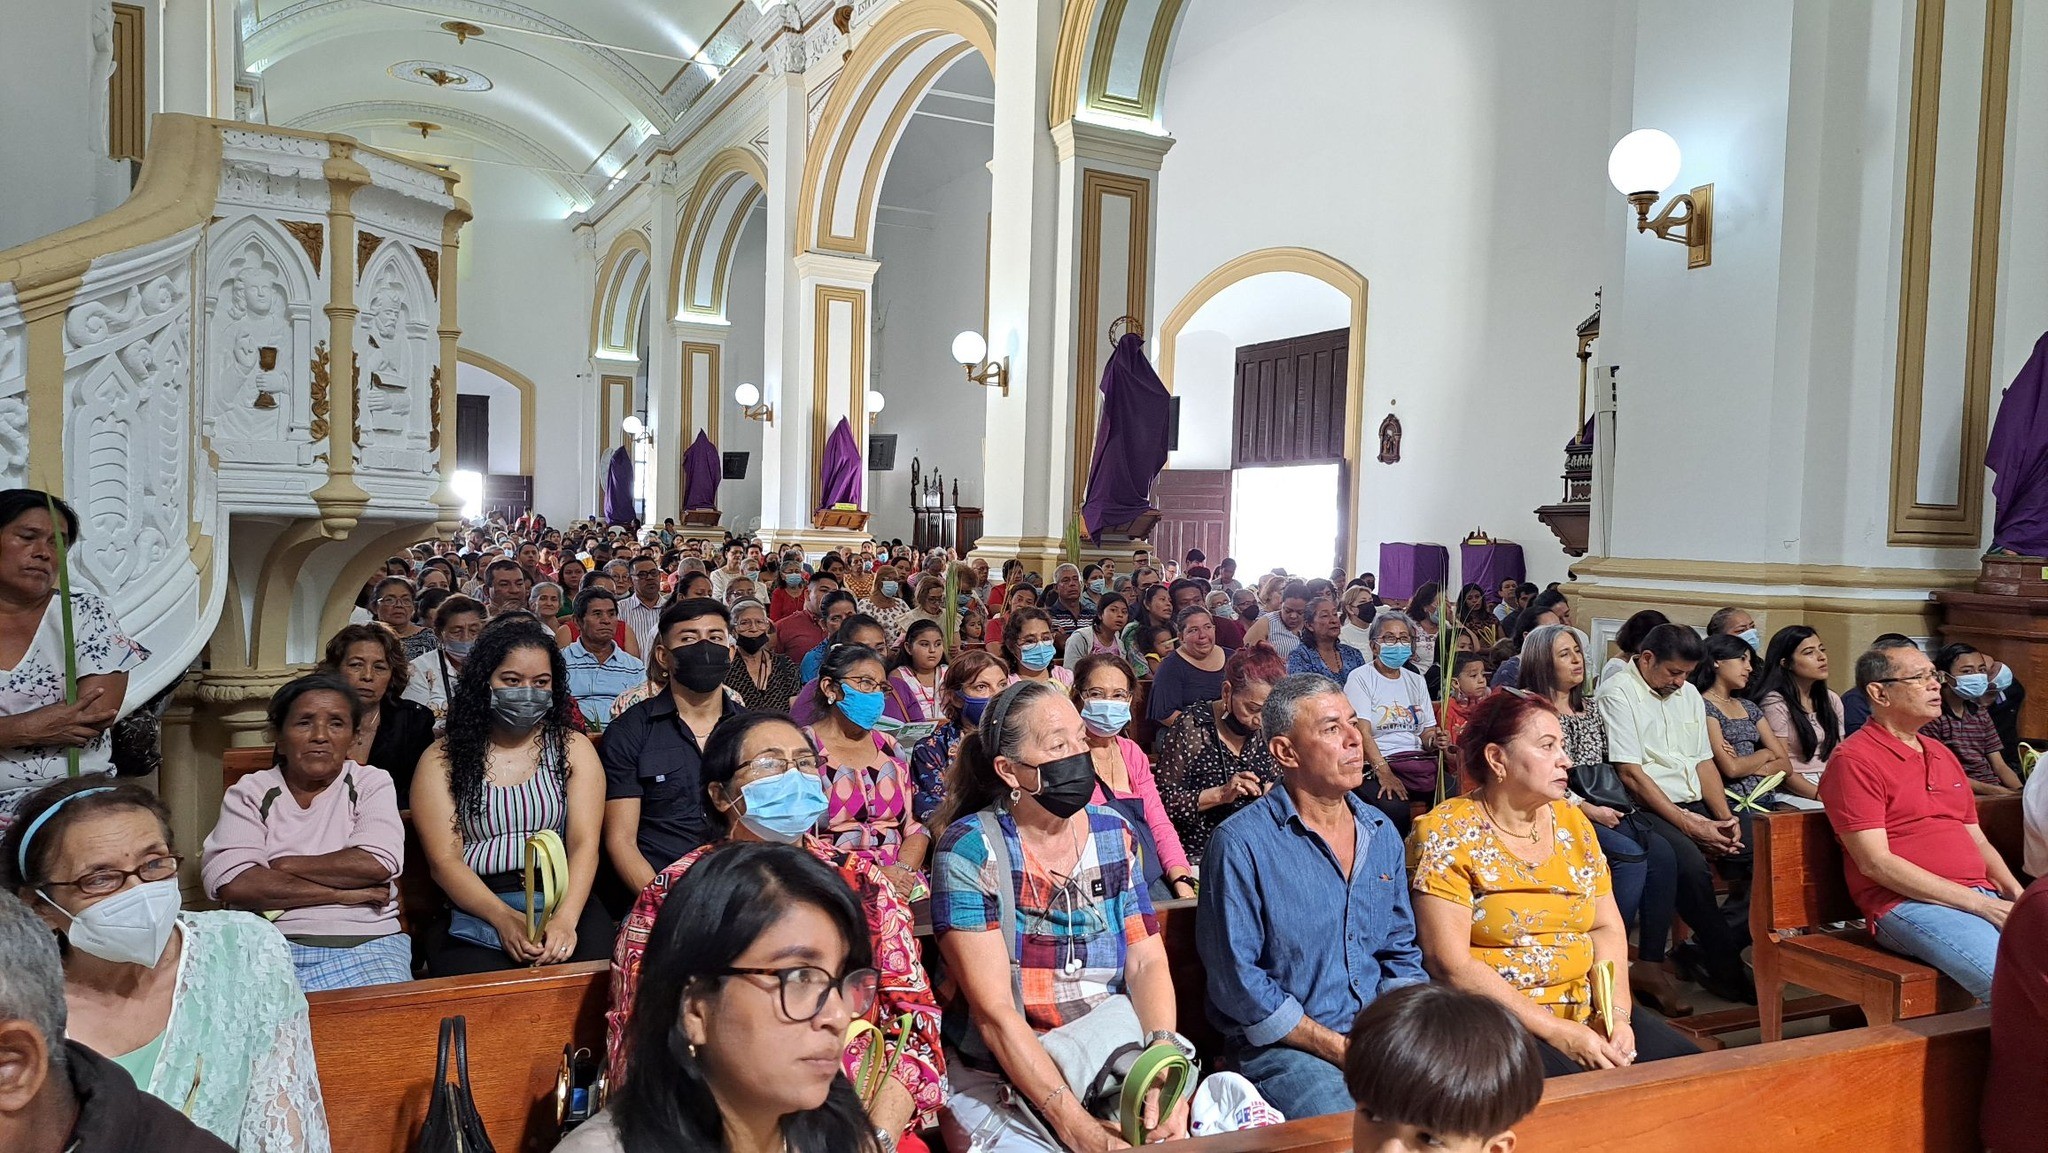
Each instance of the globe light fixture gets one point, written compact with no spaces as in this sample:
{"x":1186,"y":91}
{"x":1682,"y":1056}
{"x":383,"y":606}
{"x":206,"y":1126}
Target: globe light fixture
{"x":1642,"y":165}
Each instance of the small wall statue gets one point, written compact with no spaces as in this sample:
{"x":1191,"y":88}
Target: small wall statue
{"x":1390,"y":440}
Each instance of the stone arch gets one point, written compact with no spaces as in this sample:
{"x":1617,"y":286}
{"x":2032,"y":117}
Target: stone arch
{"x":713,"y":217}
{"x":621,"y":296}
{"x":1110,"y":61}
{"x":1338,"y":275}
{"x":528,"y":399}
{"x":896,"y":62}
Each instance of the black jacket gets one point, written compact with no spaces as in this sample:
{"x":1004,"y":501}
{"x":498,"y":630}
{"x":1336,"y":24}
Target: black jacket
{"x":404,"y":730}
{"x":116,"y":1117}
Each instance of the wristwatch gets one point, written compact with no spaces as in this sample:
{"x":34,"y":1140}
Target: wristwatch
{"x":1169,"y":1037}
{"x":885,"y":1140}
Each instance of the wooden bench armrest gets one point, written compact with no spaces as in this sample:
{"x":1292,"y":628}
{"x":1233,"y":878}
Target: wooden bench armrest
{"x":1854,"y":949}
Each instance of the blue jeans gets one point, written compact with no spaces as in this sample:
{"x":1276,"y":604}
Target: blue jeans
{"x":1628,"y":867}
{"x":1962,"y":945}
{"x":1296,"y":1083}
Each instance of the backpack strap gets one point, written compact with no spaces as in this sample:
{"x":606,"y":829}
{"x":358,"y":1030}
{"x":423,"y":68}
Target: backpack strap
{"x":1006,"y":896}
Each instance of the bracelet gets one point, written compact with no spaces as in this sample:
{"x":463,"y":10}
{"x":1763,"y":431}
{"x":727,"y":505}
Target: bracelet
{"x":1045,"y":1105}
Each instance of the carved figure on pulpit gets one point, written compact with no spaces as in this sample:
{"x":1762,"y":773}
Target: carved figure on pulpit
{"x":250,"y":331}
{"x":387,"y":362}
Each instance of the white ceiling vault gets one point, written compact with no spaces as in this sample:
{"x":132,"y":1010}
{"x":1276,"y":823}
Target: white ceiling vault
{"x":573,"y":86}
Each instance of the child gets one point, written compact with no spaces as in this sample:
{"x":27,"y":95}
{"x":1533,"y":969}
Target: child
{"x":1433,"y":1068}
{"x":1468,"y":684}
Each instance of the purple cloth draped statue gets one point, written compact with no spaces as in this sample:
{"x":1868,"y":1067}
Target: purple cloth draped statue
{"x":2018,"y":456}
{"x":618,"y":488}
{"x":1130,"y":439}
{"x":839,"y":479}
{"x":702,"y":470}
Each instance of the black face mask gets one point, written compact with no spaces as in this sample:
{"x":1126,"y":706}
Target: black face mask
{"x":751,"y":645}
{"x":700,"y":667}
{"x":1066,"y":785}
{"x":1242,"y":730}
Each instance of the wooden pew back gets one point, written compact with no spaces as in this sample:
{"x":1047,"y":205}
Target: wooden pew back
{"x":375,"y":1050}
{"x":1911,"y":1085}
{"x":1799,"y":877}
{"x":237,"y":763}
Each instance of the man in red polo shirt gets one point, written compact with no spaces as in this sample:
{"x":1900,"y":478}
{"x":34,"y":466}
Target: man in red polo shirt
{"x":1918,"y":866}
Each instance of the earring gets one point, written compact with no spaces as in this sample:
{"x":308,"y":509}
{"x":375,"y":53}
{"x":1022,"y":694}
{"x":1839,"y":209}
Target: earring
{"x":1015,"y":794}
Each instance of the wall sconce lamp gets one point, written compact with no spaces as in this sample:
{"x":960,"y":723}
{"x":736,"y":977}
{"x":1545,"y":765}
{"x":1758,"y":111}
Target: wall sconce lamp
{"x":1642,"y":165}
{"x":635,"y":428}
{"x":972,"y":353}
{"x":876,"y":402}
{"x":751,"y":406}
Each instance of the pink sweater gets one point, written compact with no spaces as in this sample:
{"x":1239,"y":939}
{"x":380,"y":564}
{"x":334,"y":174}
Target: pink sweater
{"x":359,"y":811}
{"x":1146,"y":792}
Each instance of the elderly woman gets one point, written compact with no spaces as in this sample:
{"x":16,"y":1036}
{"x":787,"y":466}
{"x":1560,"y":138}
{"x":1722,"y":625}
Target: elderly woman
{"x":391,"y":731}
{"x":1103,"y":688}
{"x":1213,"y":761}
{"x":201,"y":1009}
{"x":1025,"y":858}
{"x":884,"y":602}
{"x":1321,"y":651}
{"x":316,"y":836}
{"x":394,"y":603}
{"x":1513,"y":899}
{"x":1192,"y":672}
{"x":764,"y":678}
{"x":760,"y":776}
{"x":866,"y":775}
{"x":37,"y":727}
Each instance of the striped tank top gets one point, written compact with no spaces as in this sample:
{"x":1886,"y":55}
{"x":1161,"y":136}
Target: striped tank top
{"x":496,"y":841}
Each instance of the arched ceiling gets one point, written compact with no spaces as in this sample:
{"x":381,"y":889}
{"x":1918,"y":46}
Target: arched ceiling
{"x":574,"y":86}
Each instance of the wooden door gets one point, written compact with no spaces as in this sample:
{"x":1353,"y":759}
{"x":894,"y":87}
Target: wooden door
{"x":473,"y":433}
{"x":1290,"y":400}
{"x":1194,"y":506}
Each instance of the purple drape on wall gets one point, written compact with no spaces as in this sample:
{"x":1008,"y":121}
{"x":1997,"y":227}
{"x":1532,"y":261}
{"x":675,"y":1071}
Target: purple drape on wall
{"x":2018,"y":455}
{"x":1130,"y":439}
{"x":702,"y":470}
{"x":839,"y":479}
{"x":1486,"y":565}
{"x":1406,"y":567}
{"x":618,"y":488}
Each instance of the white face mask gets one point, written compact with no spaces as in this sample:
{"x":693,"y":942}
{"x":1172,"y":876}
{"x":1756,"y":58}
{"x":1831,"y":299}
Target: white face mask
{"x":131,"y":927}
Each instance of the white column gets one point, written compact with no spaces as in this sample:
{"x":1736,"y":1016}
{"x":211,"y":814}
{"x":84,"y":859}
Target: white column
{"x":198,"y":48}
{"x":1025,"y":491}
{"x":785,"y":444}
{"x":671,"y":423}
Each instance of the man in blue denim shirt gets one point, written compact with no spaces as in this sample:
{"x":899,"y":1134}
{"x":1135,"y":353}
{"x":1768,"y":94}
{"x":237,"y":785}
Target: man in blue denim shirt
{"x":1304,"y":915}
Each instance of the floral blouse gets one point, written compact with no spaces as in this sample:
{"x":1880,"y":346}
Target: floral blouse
{"x":928,"y":763}
{"x":1532,"y":923}
{"x":37,"y":680}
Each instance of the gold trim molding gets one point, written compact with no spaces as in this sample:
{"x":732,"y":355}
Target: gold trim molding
{"x":611,"y":274}
{"x":824,"y":297}
{"x":1912,"y":521}
{"x":695,"y":227}
{"x":1096,"y":188}
{"x":1085,"y":58}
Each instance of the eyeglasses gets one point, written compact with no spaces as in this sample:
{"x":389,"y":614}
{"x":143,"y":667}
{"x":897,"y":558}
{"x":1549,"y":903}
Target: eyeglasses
{"x":389,"y":602}
{"x":1106,"y":695}
{"x":805,"y":988}
{"x":863,"y":684}
{"x":105,"y":882}
{"x":770,"y":765}
{"x":1926,"y":676}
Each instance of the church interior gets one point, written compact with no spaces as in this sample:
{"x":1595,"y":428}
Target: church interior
{"x":1666,"y":315}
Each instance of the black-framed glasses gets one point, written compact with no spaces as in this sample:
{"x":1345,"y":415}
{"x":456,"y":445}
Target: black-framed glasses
{"x":106,"y":882}
{"x":805,"y":987}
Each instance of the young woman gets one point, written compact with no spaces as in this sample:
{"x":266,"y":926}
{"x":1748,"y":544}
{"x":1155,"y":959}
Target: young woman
{"x":1192,"y":673}
{"x":752,"y":974}
{"x":917,"y":670}
{"x":1321,"y":652}
{"x":1022,"y":599}
{"x":1029,"y":644}
{"x":394,"y":605}
{"x":1478,"y":628}
{"x":1104,"y":633}
{"x":1422,"y":612}
{"x":510,"y":767}
{"x":1801,"y":710}
{"x":1155,"y":610}
{"x":971,"y":683}
{"x":1629,"y":641}
{"x":1745,"y":751}
{"x":867,"y":781}
{"x":1103,"y":688}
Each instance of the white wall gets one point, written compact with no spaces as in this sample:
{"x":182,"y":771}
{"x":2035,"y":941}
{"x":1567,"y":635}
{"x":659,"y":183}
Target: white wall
{"x":504,"y":400}
{"x":1454,"y":154}
{"x":746,"y":305}
{"x":930,"y":288}
{"x":1275,"y":306}
{"x":53,"y":167}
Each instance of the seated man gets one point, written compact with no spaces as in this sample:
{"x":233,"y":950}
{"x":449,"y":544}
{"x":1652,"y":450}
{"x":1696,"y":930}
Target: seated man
{"x":654,"y":752}
{"x":640,"y":611}
{"x":799,"y":632}
{"x":1657,"y":740}
{"x":599,"y":670}
{"x":1918,"y":866}
{"x":505,"y":585}
{"x":1304,"y":915}
{"x":57,"y":1096}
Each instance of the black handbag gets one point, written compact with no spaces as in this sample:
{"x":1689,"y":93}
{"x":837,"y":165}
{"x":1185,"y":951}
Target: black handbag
{"x":1601,"y":784}
{"x":453,"y":1125}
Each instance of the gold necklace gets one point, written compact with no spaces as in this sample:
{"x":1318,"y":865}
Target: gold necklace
{"x":1533,"y":836}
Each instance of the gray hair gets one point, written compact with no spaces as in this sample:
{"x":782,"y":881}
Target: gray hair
{"x":533,"y":597}
{"x":1063,"y":570}
{"x":31,"y":974}
{"x":1876,"y":662}
{"x":747,"y":604}
{"x":1380,"y":622}
{"x":1285,"y":701}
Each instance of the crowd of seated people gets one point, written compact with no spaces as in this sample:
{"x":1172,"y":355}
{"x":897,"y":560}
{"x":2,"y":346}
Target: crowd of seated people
{"x":1442,"y":794}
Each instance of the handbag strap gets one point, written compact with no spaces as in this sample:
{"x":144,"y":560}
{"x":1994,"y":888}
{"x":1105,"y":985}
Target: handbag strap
{"x":1006,"y":897}
{"x":462,"y":1054}
{"x":441,"y":1052}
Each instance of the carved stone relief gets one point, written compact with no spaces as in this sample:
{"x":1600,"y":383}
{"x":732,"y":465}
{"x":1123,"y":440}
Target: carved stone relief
{"x":395,"y":342}
{"x":13,"y":393}
{"x":258,"y":326}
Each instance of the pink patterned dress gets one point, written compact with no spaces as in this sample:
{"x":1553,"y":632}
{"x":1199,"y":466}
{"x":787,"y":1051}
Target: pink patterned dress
{"x":866,"y":808}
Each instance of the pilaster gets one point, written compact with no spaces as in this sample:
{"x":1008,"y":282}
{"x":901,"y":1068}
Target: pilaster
{"x":668,"y":416}
{"x":785,"y":442}
{"x":836,"y":295}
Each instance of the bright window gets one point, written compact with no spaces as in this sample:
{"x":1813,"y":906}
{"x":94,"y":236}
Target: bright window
{"x":469,"y":485}
{"x":1285,"y":516}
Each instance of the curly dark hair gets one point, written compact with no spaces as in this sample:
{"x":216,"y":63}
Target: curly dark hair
{"x":469,"y":712}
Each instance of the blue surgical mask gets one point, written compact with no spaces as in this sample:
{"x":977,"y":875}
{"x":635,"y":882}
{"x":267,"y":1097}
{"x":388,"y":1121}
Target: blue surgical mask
{"x":1098,"y":587}
{"x":1753,"y":639}
{"x":1223,"y":612}
{"x":1106,"y":718}
{"x":863,"y":709}
{"x":1038,"y":657}
{"x":1395,"y":655}
{"x":1973,"y":685}
{"x":2002,"y":679}
{"x":457,"y":649}
{"x":784,"y":807}
{"x":792,"y":579}
{"x":890,"y":589}
{"x":971,"y":708}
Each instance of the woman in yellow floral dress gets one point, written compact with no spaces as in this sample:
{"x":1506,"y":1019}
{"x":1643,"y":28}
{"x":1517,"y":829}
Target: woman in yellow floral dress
{"x":1513,"y":900}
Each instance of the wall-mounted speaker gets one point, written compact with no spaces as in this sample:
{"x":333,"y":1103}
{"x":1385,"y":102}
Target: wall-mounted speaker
{"x":882,"y":451}
{"x":735,"y":465}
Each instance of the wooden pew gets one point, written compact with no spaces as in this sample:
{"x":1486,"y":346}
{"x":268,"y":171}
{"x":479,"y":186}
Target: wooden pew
{"x":1909,"y":1085}
{"x":239,"y":762}
{"x":375,"y":1050}
{"x":1800,"y":886}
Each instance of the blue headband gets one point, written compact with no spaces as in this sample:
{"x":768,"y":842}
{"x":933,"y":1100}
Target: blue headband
{"x":28,"y":834}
